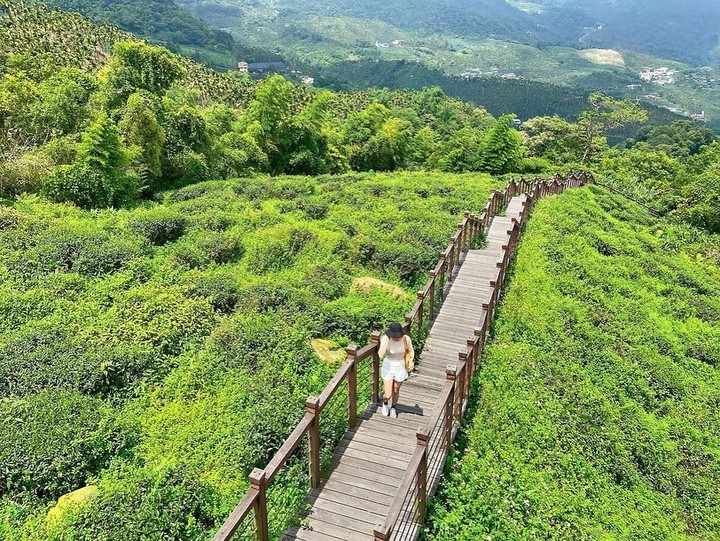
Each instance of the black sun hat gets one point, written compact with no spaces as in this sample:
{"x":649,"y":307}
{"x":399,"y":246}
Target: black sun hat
{"x":395,"y":330}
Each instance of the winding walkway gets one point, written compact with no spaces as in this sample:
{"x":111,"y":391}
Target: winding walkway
{"x":372,"y":458}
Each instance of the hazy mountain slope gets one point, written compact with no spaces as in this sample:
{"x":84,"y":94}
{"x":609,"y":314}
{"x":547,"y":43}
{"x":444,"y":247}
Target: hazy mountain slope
{"x":686,"y":30}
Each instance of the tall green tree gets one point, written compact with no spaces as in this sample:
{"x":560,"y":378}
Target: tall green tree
{"x":501,"y":150}
{"x":554,"y":139}
{"x":99,"y":177}
{"x":144,"y":137}
{"x":138,"y":66}
{"x":606,"y":113}
{"x":188,"y":144}
{"x":268,"y":119}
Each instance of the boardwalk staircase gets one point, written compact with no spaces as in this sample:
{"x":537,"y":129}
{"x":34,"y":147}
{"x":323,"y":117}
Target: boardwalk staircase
{"x":384,"y":470}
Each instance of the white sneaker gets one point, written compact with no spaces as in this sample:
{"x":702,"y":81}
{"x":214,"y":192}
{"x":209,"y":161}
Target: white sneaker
{"x":393,"y":413}
{"x":385,"y":408}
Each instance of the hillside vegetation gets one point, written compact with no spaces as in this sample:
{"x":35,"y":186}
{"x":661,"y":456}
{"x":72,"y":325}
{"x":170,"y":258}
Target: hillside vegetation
{"x":103,"y":119}
{"x":491,"y":41}
{"x":157,"y":355}
{"x":596,"y":408}
{"x":163,"y":22}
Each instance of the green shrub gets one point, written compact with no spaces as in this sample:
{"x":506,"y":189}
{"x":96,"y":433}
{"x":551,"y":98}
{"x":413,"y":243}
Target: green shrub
{"x":277,"y":248}
{"x":158,"y":226}
{"x":222,"y":290}
{"x":9,"y":217}
{"x":167,"y":501}
{"x":79,"y":248}
{"x":202,"y":250}
{"x":89,"y":187}
{"x":54,"y":440}
{"x":45,"y":356}
{"x":357,"y":314}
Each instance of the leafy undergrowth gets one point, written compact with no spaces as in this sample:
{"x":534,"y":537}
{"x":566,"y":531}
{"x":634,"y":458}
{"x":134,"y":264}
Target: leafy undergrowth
{"x":597,"y":408}
{"x":163,"y":352}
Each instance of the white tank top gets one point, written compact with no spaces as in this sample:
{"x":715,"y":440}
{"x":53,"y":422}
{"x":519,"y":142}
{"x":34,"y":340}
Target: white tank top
{"x":396,"y":350}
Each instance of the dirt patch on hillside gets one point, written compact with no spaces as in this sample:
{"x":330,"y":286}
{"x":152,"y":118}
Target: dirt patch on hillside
{"x":609,"y":57}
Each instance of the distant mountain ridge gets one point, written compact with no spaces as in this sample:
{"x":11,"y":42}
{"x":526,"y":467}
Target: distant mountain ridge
{"x":687,"y":30}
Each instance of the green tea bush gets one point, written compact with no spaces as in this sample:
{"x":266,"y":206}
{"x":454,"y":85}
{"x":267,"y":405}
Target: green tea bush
{"x":167,"y":501}
{"x":276,"y":249}
{"x":221,"y":289}
{"x":8,"y":218}
{"x":358,"y":313}
{"x":158,"y":226}
{"x":202,"y":250}
{"x":269,"y":295}
{"x":46,"y":357}
{"x":54,"y":440}
{"x":595,"y":411}
{"x":80,"y":247}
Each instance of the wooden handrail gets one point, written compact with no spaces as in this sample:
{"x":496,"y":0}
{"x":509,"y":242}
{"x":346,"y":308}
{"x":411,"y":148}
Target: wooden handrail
{"x":335,"y":383}
{"x":288,"y":447}
{"x":237,"y":517}
{"x":439,"y":408}
{"x":383,"y":532}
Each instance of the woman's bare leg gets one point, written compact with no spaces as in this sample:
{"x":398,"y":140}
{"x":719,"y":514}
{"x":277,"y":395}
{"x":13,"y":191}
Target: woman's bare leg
{"x":388,"y":389}
{"x":396,"y":392}
{"x":387,"y":396}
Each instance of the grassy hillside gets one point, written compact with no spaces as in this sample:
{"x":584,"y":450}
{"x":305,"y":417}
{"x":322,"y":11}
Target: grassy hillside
{"x":596,"y":409}
{"x":527,"y":99}
{"x":657,"y":27}
{"x":156,"y":355}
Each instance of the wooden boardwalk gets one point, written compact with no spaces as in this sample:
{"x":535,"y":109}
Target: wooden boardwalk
{"x":372,"y":458}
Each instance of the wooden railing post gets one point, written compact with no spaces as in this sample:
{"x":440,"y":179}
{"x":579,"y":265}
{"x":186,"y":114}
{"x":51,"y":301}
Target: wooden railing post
{"x":472,"y":359}
{"x":422,"y":475}
{"x":478,"y":346}
{"x":421,"y":298}
{"x":352,"y":386}
{"x":467,"y":229}
{"x":258,"y":482}
{"x":450,"y":374}
{"x":451,"y":260}
{"x":313,"y":406}
{"x":407,"y":325}
{"x":431,"y":294}
{"x":443,"y":274}
{"x":375,"y":369}
{"x":461,"y":385}
{"x":458,"y":245}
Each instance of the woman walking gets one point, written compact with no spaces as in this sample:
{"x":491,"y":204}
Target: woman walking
{"x":398,"y":356}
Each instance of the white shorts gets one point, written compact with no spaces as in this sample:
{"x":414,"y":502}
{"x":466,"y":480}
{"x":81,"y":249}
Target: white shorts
{"x":394,"y":370}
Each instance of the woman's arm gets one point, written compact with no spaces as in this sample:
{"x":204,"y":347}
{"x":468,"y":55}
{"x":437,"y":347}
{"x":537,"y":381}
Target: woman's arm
{"x":382,"y":350}
{"x":410,"y":347}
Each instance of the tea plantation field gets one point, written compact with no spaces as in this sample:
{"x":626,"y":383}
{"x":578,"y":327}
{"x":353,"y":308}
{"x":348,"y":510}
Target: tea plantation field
{"x":597,"y":409}
{"x":156,"y":355}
